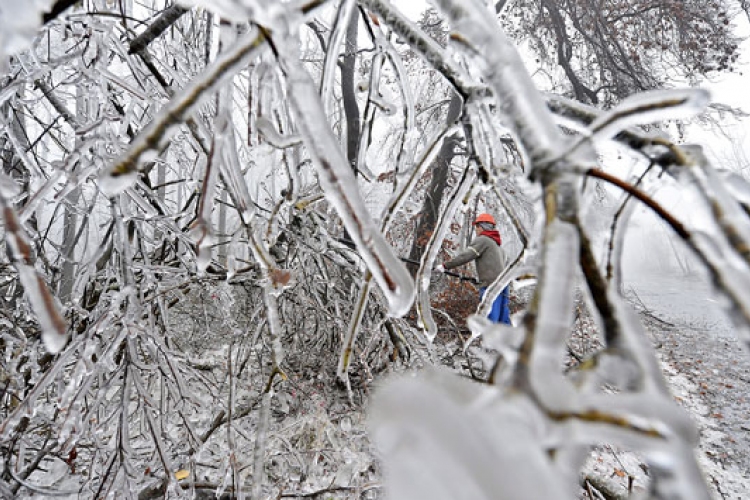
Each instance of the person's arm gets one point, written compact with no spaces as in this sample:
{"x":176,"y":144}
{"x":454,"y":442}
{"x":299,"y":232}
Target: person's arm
{"x":473,"y":251}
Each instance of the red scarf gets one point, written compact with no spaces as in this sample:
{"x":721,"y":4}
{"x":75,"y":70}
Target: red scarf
{"x":492,"y":233}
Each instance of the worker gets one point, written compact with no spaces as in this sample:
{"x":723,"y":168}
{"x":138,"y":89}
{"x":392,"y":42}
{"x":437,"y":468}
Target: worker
{"x":490,"y":261}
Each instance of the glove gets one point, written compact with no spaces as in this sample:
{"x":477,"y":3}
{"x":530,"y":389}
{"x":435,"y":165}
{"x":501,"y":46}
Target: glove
{"x":439,"y":268}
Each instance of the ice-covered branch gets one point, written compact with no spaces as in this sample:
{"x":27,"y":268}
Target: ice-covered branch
{"x":338,"y":182}
{"x":152,"y":139}
{"x":520,"y":103}
{"x":43,"y":303}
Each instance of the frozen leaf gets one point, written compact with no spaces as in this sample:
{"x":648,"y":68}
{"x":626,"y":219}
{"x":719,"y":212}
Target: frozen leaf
{"x":279,"y":277}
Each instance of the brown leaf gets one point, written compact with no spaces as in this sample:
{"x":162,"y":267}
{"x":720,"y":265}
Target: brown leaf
{"x":280,"y":277}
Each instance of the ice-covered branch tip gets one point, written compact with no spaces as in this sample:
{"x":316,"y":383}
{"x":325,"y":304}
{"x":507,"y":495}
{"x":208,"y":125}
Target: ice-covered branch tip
{"x":650,"y":107}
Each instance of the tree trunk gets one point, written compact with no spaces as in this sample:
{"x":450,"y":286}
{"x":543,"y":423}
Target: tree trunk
{"x":351,"y":109}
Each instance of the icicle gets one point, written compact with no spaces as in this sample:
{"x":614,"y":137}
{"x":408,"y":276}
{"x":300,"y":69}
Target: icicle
{"x":373,"y":100}
{"x":411,"y":134}
{"x":201,"y":233}
{"x":229,"y":164}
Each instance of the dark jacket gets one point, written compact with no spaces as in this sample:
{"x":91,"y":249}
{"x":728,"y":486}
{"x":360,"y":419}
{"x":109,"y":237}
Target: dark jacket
{"x":488,"y":256}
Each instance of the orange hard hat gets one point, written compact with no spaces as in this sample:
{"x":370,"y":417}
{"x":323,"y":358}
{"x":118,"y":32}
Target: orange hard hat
{"x":484,"y":218}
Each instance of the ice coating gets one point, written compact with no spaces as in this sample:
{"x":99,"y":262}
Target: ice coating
{"x":229,"y":162}
{"x":649,"y":107}
{"x":269,"y":131}
{"x":202,"y":233}
{"x":729,"y":214}
{"x":346,"y":8}
{"x":411,"y":135}
{"x":518,"y":98}
{"x":373,"y":97}
{"x":554,"y":314}
{"x":347,"y":346}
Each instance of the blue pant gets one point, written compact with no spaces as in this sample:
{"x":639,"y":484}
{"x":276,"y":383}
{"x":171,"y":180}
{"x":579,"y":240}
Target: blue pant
{"x":500,"y":312}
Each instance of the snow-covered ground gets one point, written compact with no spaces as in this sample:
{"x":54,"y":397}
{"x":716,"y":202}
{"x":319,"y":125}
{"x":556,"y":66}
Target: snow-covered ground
{"x":707,"y":369}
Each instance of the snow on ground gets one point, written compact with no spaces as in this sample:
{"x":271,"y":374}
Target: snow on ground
{"x":707,"y":369}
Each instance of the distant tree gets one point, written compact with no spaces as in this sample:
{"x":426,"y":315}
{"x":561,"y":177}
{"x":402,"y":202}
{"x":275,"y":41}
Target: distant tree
{"x":609,"y":50}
